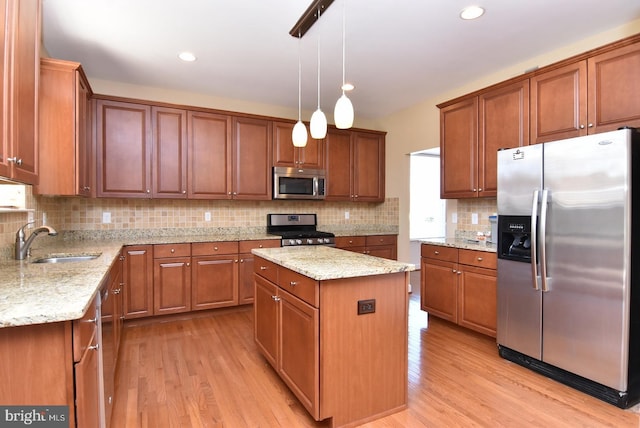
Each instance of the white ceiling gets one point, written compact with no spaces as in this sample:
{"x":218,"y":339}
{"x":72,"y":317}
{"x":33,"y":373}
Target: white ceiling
{"x":398,"y":52}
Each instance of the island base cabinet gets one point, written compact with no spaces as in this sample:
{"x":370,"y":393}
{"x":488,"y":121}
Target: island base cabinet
{"x":342,"y":364}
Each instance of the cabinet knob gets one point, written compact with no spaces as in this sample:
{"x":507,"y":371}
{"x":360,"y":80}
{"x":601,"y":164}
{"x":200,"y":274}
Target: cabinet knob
{"x":474,"y":189}
{"x":590,"y":125}
{"x":479,"y":259}
{"x":173,"y":250}
{"x":236,"y":260}
{"x":275,"y":298}
{"x":436,"y":253}
{"x":215,"y":248}
{"x":188,"y":264}
{"x":260,"y":246}
{"x":581,"y":126}
{"x":241,"y":260}
{"x":15,"y":160}
{"x":184,"y":191}
{"x":293,"y":283}
{"x":459,"y":272}
{"x":263,"y":268}
{"x":116,"y":291}
{"x":480,"y":189}
{"x":148,"y":190}
{"x":453,"y":270}
{"x":94,"y":347}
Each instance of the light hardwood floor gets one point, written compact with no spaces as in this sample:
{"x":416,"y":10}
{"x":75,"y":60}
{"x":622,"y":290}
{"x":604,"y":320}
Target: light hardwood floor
{"x":204,"y":371}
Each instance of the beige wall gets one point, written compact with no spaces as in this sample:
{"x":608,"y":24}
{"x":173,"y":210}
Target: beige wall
{"x":417,"y":128}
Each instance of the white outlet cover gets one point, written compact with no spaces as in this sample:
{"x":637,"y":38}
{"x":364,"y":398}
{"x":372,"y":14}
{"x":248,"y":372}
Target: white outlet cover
{"x":454,"y":218}
{"x":346,"y":215}
{"x":474,"y":218}
{"x":106,"y":217}
{"x":207,"y":216}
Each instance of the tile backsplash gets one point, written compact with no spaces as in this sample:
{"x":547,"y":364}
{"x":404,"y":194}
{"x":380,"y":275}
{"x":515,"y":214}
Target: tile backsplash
{"x":81,"y":214}
{"x":484,"y":207}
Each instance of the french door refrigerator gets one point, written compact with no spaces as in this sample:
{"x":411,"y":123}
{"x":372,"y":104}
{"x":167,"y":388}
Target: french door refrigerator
{"x":569,"y":262}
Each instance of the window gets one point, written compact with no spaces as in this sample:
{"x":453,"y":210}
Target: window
{"x":427,"y":212}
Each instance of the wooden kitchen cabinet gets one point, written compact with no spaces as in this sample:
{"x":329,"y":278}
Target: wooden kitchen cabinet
{"x":355,"y":166}
{"x":210,"y":161}
{"x":472,"y":130}
{"x":19,"y":156}
{"x":245,"y":267}
{"x":286,"y":154}
{"x":86,"y":370}
{"x":138,"y":281}
{"x":124,"y":148}
{"x":171,"y":278}
{"x":65,"y":128}
{"x":214,"y":277}
{"x":588,"y":96}
{"x":385,"y":246}
{"x":169,"y":153}
{"x":251,"y":159}
{"x":460,"y":286}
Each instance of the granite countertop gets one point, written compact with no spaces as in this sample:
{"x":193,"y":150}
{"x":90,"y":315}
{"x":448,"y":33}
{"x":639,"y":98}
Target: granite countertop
{"x":35,"y":293}
{"x":467,"y":244}
{"x":326,"y":263}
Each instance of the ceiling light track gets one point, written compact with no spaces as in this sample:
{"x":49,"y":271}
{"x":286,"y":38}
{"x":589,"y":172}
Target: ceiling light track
{"x":309,"y":17}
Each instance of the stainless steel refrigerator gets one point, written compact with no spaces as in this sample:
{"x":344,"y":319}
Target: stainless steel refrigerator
{"x":569,"y":260}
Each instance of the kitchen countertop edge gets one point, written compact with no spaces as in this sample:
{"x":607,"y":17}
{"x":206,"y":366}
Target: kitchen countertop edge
{"x":461,"y":244}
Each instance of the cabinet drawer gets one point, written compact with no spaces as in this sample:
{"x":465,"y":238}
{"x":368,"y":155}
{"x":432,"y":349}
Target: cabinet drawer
{"x":477,"y":258}
{"x":171,"y":250}
{"x":381,"y":240}
{"x":83,"y":332}
{"x":438,"y":252}
{"x":214,"y":248}
{"x":266,"y":269}
{"x":247,"y":246}
{"x":350,"y":241}
{"x":300,"y":286}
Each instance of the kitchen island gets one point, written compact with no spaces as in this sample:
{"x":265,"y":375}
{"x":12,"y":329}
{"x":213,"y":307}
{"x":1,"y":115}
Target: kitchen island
{"x":333,"y":324}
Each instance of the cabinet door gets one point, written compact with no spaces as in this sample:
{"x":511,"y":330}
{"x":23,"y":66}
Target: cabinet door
{"x":252,"y":171}
{"x":171,"y":285}
{"x":169,"y":169}
{"x":24,"y":93}
{"x":285,"y":154}
{"x":266,"y":309}
{"x":299,"y":358}
{"x":84,"y":161}
{"x":214,"y":282}
{"x":559,"y":103}
{"x":384,"y":251}
{"x":478,"y":299}
{"x":503,"y":123}
{"x":124,"y":149}
{"x":458,"y":149}
{"x":368,"y":167}
{"x":5,"y":74}
{"x":209,"y":156}
{"x":338,"y":164}
{"x":87,"y":389}
{"x":138,"y":281}
{"x":439,"y":294}
{"x":245,"y":278}
{"x":613,"y":77}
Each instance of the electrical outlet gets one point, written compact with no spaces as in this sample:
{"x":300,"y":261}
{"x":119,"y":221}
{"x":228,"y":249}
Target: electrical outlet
{"x":474,"y":218}
{"x":207,"y":216}
{"x":346,"y":215}
{"x":366,"y":306}
{"x":454,"y":218}
{"x":106,"y":217}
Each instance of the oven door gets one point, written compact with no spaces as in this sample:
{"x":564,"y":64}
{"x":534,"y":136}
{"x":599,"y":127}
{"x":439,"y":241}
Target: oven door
{"x":296,"y":183}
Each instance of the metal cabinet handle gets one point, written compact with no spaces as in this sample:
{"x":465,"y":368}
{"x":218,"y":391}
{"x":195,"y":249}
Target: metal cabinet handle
{"x":116,"y":291}
{"x":94,"y":347}
{"x":275,"y":298}
{"x":263,"y":268}
{"x":293,"y":283}
{"x":15,"y":160}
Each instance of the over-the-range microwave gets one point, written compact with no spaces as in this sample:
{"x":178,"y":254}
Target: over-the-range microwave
{"x":298,"y":183}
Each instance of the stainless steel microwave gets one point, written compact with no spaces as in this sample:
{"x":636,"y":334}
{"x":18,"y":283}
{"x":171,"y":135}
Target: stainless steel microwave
{"x":298,"y":183}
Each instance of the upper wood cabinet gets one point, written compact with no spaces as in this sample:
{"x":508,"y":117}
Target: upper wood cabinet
{"x":209,"y":155}
{"x":169,"y":153}
{"x":65,"y":125}
{"x":355,"y":163}
{"x":472,"y":130}
{"x":124,"y":147}
{"x":20,"y":21}
{"x":251,"y":157}
{"x":587,"y":97}
{"x":285,"y":154}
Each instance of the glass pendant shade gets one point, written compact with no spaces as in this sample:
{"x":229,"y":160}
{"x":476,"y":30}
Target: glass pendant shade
{"x":343,"y":113}
{"x":318,"y":125}
{"x":299,"y":134}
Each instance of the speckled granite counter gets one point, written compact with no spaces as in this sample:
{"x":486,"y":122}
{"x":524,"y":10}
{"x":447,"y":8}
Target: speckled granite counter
{"x":461,"y":243}
{"x":34,"y":293}
{"x":324,"y":263}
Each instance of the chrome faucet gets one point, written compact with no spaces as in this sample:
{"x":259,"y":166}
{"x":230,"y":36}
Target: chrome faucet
{"x":22,"y":246}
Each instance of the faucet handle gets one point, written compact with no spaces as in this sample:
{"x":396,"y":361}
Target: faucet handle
{"x":20,"y":232}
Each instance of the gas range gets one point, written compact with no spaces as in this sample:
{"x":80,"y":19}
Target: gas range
{"x":298,"y":229}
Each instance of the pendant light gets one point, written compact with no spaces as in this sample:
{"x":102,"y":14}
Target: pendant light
{"x":318,"y":119}
{"x":299,"y":134}
{"x":343,"y":111}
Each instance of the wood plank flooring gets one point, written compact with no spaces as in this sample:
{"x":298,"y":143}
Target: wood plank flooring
{"x":204,"y":371}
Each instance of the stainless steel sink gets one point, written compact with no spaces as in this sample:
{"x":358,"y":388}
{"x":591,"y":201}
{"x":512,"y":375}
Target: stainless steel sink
{"x":66,"y":258}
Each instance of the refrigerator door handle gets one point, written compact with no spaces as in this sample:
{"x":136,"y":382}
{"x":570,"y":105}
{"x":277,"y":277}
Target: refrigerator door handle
{"x":534,"y":240}
{"x":543,"y":239}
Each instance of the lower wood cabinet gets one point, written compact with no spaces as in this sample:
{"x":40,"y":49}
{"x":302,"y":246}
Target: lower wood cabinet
{"x":340,"y":364}
{"x":214,"y":275}
{"x":171,"y":278}
{"x":385,"y":246}
{"x":459,"y":285}
{"x":138,"y":281}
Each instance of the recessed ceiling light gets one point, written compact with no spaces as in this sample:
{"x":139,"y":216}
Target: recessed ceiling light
{"x":187,"y":56}
{"x":471,"y":12}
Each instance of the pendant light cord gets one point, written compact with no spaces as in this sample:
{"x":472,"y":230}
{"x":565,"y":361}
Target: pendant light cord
{"x":318,"y":68}
{"x":344,"y":20}
{"x":299,"y":80}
